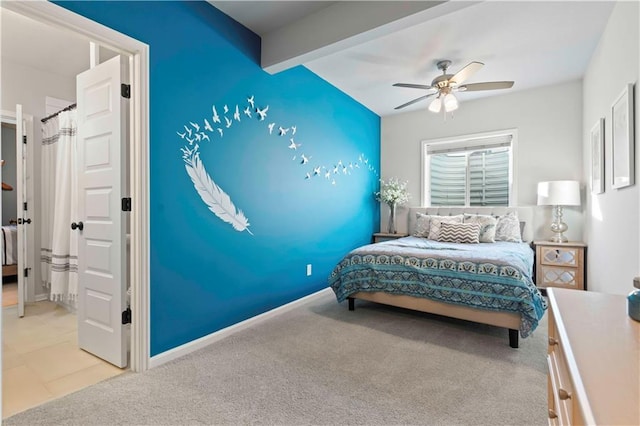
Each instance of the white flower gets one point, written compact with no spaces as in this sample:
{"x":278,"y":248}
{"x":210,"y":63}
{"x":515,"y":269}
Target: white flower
{"x":392,"y":192}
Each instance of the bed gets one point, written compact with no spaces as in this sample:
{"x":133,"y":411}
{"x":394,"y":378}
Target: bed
{"x":489,"y":283}
{"x":9,"y":250}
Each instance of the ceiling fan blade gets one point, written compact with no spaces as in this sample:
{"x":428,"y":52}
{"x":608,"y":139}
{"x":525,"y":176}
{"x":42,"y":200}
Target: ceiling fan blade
{"x":414,"y":101}
{"x":413,"y":86}
{"x":466,"y":72}
{"x":489,"y":85}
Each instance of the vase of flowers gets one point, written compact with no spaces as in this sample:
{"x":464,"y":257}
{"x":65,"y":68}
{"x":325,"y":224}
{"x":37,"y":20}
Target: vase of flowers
{"x":392,"y":193}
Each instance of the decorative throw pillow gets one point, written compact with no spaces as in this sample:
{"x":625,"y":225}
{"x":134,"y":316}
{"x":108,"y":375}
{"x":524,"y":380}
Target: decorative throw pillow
{"x":459,"y":233}
{"x":423,"y":223}
{"x":487,"y":226}
{"x":436,"y":221}
{"x":508,"y":228}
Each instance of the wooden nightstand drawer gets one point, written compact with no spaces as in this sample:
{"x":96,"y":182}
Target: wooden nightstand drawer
{"x":560,"y":264}
{"x":560,"y":256}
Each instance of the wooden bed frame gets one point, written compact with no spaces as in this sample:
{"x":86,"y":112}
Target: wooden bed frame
{"x":508,"y":320}
{"x":500,"y":319}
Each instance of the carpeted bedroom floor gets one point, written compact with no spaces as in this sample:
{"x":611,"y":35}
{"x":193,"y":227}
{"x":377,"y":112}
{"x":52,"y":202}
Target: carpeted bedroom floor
{"x":321,"y":364}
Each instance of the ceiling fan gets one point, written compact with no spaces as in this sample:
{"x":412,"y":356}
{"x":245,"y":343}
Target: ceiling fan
{"x":445,"y":85}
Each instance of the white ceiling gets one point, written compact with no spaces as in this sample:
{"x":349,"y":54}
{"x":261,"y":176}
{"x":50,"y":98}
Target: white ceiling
{"x":533,"y":43}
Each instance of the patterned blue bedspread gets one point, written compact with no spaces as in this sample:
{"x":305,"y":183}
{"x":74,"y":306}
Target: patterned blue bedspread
{"x":494,"y":276}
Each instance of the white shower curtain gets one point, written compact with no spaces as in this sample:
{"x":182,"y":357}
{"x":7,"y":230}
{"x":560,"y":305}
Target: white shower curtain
{"x":59,"y":251}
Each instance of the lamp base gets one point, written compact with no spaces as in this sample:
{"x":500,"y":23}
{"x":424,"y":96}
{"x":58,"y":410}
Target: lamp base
{"x":559,"y":238}
{"x":558,"y":227}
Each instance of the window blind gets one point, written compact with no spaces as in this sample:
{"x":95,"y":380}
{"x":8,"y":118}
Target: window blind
{"x":478,"y":177}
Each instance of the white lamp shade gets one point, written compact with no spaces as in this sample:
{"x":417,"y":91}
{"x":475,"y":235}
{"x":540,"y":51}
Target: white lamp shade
{"x":450,"y":102}
{"x":559,"y":193}
{"x":435,"y":105}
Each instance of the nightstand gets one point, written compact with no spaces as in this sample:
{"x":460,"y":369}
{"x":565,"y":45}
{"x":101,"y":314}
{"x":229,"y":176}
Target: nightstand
{"x":385,"y":236}
{"x":560,"y":264}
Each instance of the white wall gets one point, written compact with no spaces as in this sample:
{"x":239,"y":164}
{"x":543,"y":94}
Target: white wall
{"x":549,"y":124}
{"x":29,"y":86}
{"x":612,"y":218}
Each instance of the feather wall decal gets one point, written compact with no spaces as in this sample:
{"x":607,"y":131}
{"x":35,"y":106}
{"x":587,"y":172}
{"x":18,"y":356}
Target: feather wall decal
{"x":213,"y":196}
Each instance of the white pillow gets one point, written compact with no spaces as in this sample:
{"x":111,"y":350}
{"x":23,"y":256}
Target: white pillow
{"x":436,"y":221}
{"x":423,"y":223}
{"x":487,"y":225}
{"x":508,"y":228}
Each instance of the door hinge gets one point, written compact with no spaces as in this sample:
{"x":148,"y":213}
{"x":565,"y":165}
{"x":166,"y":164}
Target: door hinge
{"x":126,"y":204}
{"x":24,"y":138}
{"x":126,"y":316}
{"x":26,"y":272}
{"x":24,"y":205}
{"x":125,"y":90}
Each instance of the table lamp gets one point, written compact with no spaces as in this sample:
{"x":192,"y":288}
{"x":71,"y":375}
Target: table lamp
{"x":559,"y":193}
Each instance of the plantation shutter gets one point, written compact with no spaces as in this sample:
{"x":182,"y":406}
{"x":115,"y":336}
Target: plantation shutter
{"x":471,"y":172}
{"x":489,"y":177}
{"x":448,"y":180}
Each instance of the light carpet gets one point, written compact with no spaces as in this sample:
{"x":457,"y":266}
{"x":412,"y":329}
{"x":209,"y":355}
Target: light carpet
{"x":322,"y":364}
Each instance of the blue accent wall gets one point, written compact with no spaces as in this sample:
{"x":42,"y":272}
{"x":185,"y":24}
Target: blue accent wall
{"x":205,"y":274}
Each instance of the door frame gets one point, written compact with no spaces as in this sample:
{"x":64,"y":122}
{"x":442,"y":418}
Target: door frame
{"x":138,"y":54}
{"x":9,"y":117}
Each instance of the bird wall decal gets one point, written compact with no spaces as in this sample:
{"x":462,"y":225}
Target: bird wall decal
{"x":262,"y":112}
{"x":216,"y":117}
{"x":294,"y":145}
{"x":207,"y":126}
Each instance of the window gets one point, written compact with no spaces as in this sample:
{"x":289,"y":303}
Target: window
{"x":474,"y":170}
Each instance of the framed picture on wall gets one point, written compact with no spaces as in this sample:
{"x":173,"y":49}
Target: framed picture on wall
{"x":597,"y":157}
{"x":622,"y":140}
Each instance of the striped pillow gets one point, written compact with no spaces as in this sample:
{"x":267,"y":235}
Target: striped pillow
{"x":459,"y":233}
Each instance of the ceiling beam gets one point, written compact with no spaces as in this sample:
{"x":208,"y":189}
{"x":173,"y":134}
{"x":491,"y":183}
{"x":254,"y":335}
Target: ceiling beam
{"x":345,"y":24}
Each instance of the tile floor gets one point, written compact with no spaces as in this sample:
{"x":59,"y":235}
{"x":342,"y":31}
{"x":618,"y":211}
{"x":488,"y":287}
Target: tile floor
{"x":41,"y":360}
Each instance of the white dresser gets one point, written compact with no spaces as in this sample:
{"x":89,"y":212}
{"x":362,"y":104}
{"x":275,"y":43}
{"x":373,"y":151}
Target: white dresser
{"x":593,"y":359}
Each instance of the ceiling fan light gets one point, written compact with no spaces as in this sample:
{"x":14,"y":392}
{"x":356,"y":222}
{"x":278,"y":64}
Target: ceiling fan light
{"x":435,"y":105}
{"x":450,"y":102}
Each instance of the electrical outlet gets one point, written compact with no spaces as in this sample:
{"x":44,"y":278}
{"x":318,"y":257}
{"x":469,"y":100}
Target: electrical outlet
{"x":309,"y":270}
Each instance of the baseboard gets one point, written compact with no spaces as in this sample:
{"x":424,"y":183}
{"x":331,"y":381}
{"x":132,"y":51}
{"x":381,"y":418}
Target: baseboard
{"x":41,"y":297}
{"x":187,"y":348}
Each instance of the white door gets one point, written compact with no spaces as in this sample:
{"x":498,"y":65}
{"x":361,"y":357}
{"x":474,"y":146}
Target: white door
{"x":100,"y":223}
{"x":23,"y":215}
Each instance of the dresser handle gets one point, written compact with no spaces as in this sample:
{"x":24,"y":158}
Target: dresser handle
{"x":552,"y":414}
{"x":563,"y":394}
{"x":552,"y":341}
